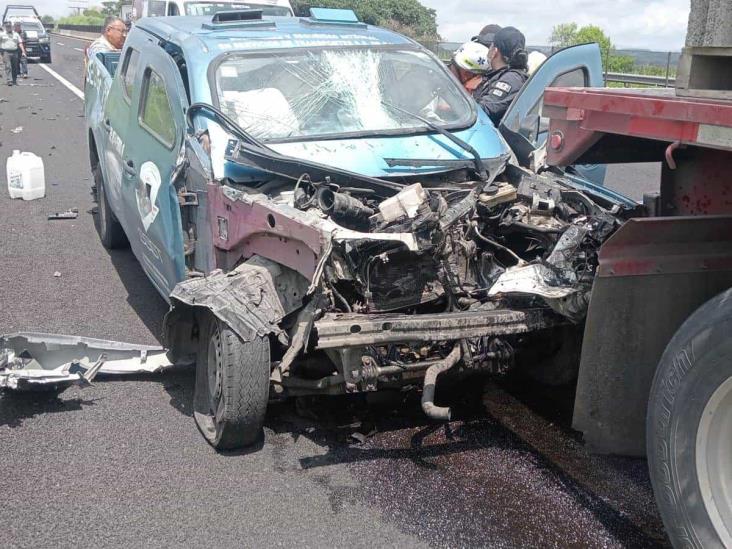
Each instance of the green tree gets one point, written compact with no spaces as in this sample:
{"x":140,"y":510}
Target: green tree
{"x":113,"y":8}
{"x":93,"y":12}
{"x":621,"y":63}
{"x":563,"y":35}
{"x":407,"y":17}
{"x":47,"y":20}
{"x":569,"y":34}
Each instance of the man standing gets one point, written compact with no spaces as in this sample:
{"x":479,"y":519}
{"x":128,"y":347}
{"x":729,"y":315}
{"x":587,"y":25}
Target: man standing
{"x":508,"y":59}
{"x":22,"y":52}
{"x":112,"y":38}
{"x":10,"y":42}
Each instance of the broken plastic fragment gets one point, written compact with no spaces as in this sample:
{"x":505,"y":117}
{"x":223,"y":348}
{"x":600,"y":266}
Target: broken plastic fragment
{"x":43,"y":362}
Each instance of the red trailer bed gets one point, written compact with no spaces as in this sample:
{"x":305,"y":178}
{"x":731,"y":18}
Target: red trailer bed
{"x":692,"y":136}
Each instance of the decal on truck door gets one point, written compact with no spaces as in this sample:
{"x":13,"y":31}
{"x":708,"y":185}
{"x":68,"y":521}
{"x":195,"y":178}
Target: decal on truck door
{"x":147,"y":190}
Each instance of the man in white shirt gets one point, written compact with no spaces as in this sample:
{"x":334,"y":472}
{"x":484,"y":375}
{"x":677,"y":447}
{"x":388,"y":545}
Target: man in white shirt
{"x":10,"y":43}
{"x":112,"y":38}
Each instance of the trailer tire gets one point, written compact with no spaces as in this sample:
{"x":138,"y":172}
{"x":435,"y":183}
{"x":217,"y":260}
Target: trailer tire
{"x":110,"y":230}
{"x":232,"y":386}
{"x":689,"y":429}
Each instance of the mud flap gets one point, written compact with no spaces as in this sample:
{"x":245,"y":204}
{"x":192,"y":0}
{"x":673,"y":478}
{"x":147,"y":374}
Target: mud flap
{"x":653,"y":274}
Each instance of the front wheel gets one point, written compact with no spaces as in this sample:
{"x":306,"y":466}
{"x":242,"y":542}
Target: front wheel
{"x":232,"y":386}
{"x":110,"y":230}
{"x":689,"y":429}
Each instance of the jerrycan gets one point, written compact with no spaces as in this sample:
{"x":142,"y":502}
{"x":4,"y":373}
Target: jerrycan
{"x":26,"y":178}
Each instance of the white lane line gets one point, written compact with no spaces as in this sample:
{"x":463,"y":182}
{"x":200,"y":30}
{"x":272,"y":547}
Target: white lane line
{"x":76,"y":91}
{"x":79,"y":49}
{"x":60,"y":44}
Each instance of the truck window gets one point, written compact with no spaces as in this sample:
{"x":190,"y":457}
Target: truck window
{"x":157,"y":8}
{"x":173,"y":9}
{"x":156,"y":115}
{"x":129,"y":70}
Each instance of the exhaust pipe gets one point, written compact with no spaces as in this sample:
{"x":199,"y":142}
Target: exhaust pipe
{"x":430,"y":379}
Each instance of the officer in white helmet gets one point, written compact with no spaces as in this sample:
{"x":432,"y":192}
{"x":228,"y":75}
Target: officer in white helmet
{"x":469,"y":64}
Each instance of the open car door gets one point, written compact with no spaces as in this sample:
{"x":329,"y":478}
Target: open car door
{"x":523,"y":126}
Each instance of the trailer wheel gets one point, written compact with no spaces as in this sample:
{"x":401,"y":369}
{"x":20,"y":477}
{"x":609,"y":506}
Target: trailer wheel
{"x":689,"y":429}
{"x":232,"y":386}
{"x":110,"y":230}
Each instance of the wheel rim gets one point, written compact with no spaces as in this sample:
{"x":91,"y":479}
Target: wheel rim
{"x":713,"y":461}
{"x":214,"y":371}
{"x":102,"y":209}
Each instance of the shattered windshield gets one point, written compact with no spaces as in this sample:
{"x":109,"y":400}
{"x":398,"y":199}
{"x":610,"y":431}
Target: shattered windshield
{"x":211,"y":8}
{"x":334,"y":91}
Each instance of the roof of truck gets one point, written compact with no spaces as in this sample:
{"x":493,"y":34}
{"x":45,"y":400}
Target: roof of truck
{"x":269,"y":33}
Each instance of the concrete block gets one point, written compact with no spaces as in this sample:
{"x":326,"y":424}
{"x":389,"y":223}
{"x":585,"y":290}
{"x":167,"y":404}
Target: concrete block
{"x":710,"y":23}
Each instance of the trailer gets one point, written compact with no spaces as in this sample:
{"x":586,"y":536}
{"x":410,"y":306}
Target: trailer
{"x":656,"y":368}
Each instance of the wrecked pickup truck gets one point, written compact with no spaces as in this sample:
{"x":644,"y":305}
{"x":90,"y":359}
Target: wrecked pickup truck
{"x":327,"y":211}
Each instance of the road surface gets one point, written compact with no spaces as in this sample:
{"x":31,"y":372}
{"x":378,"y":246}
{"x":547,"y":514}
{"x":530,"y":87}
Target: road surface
{"x":122,"y":464}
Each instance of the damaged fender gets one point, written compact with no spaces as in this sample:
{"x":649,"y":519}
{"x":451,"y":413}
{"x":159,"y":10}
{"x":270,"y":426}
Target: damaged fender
{"x":252,"y":300}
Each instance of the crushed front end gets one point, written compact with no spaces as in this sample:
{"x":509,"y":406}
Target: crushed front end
{"x":374,"y":283}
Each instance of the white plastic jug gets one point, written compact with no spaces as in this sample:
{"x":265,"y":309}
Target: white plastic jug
{"x":26,"y":176}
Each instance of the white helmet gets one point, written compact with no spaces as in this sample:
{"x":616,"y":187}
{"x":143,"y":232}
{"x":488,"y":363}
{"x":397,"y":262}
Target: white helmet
{"x":536,"y":58}
{"x":472,"y":57}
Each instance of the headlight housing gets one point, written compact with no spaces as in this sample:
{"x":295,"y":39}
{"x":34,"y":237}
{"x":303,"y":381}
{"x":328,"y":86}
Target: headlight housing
{"x":44,"y":40}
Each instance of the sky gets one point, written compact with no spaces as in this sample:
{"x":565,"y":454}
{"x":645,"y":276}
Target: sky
{"x":648,"y":24}
{"x":651,"y":24}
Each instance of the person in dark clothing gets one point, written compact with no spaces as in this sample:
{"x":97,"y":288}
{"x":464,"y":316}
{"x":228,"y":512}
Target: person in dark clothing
{"x":486,"y":35}
{"x":508,"y":59}
{"x":22,"y":57}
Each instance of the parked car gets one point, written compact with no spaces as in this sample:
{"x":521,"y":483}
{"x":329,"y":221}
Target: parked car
{"x":328,"y":211}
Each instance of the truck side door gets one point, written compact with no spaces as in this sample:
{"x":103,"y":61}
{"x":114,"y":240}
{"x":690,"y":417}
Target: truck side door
{"x":153,"y":154}
{"x":115,"y":121}
{"x":523,"y":126}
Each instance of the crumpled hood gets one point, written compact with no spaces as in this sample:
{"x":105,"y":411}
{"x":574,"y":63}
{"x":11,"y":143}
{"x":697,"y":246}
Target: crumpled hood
{"x":370,"y":156}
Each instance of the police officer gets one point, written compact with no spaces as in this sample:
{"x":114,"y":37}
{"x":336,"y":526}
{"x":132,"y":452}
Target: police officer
{"x":22,"y":57}
{"x":508,"y":60}
{"x":10,"y":43}
{"x":470,"y":64}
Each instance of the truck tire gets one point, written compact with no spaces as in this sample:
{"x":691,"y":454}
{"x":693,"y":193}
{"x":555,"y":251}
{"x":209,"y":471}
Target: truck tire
{"x":689,"y":429}
{"x":110,"y":231}
{"x":46,"y":59}
{"x":232,"y":386}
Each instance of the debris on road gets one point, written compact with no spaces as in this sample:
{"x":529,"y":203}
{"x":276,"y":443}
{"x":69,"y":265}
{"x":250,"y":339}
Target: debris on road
{"x":72,"y":213}
{"x":57,"y":274}
{"x":17,"y":130}
{"x":44,"y":362}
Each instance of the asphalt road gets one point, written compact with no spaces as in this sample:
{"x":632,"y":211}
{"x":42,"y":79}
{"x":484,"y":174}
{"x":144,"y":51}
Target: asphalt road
{"x":122,"y":464}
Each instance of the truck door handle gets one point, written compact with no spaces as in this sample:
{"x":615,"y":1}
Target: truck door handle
{"x":107,"y":125}
{"x":130,"y":168}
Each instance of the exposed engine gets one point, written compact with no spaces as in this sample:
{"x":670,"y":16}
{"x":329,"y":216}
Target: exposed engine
{"x":533,"y":241}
